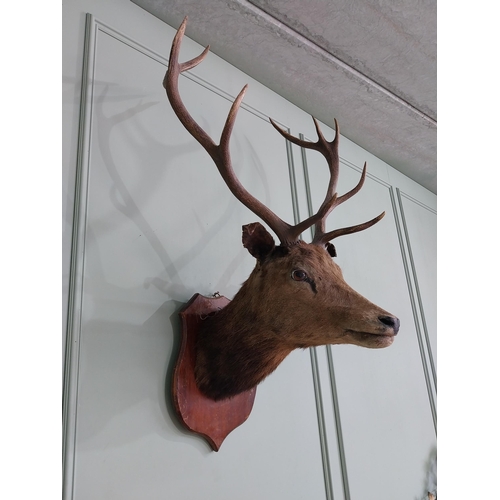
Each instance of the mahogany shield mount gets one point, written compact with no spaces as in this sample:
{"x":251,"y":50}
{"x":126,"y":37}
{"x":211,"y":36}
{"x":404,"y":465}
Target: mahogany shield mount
{"x":213,"y":420}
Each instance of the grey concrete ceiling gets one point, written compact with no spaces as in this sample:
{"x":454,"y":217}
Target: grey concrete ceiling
{"x":369,"y":63}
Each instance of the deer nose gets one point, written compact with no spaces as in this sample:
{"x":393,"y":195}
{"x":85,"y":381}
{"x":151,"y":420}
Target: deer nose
{"x":391,"y":322}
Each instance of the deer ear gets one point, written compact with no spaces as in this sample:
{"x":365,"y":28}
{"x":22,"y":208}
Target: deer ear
{"x":257,"y":240}
{"x":331,"y":250}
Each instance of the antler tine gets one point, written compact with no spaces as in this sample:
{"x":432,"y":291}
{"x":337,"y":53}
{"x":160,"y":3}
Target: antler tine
{"x":320,"y":237}
{"x":219,"y":153}
{"x":323,"y":239}
{"x":171,"y":85}
{"x":330,"y":151}
{"x":327,"y":149}
{"x":355,"y":189}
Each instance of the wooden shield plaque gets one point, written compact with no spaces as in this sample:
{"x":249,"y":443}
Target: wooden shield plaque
{"x":213,"y":420}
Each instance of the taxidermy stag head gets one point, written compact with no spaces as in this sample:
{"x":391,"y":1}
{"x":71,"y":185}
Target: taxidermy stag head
{"x":296,"y":296}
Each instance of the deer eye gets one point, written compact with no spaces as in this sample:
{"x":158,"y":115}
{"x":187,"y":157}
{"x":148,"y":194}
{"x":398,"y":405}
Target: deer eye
{"x":299,"y":275}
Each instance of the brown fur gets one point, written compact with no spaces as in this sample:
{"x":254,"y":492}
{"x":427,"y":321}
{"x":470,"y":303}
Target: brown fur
{"x":272,"y":314}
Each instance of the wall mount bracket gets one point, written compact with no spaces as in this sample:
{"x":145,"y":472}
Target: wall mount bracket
{"x":213,"y":420}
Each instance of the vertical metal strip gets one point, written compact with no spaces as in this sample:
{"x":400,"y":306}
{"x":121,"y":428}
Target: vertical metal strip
{"x":293,"y":183}
{"x":314,"y":360}
{"x":333,"y":386}
{"x":417,"y":289}
{"x":307,"y":181}
{"x":402,"y":234}
{"x":71,"y":365}
{"x":325,"y":455}
{"x":338,"y":425}
{"x":417,"y":307}
{"x":326,"y":459}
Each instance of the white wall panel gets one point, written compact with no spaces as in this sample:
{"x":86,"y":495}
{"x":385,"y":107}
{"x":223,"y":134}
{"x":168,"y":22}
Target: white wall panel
{"x":160,"y":225}
{"x":155,"y":224}
{"x":385,"y":417}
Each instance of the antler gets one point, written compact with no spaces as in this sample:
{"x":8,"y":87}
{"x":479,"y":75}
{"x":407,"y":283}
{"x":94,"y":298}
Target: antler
{"x":286,"y":233}
{"x":330,"y":150}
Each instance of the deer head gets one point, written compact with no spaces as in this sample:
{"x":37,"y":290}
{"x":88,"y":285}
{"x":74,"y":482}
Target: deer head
{"x":296,"y":296}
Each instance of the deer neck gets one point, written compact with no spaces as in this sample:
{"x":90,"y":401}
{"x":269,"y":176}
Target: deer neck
{"x":237,"y":348}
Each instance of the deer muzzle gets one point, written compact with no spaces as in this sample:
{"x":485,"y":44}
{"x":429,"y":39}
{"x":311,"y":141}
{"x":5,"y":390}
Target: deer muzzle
{"x":391,"y":323}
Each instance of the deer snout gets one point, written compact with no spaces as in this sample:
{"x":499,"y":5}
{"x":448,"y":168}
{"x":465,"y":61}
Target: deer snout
{"x":390,"y":322}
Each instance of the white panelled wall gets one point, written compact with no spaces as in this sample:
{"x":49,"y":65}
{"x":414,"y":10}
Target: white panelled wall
{"x":154,"y":223}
